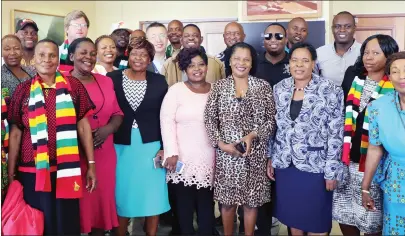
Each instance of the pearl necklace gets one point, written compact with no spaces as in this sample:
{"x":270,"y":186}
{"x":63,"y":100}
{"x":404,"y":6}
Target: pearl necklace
{"x":299,"y":89}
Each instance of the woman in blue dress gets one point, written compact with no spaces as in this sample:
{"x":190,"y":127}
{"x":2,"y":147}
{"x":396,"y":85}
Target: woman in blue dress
{"x":386,"y":152}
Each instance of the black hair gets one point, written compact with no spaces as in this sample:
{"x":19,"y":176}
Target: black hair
{"x":73,"y":46}
{"x":391,"y":59}
{"x":13,"y":36}
{"x":155,"y":24}
{"x":308,"y":46}
{"x":186,"y":54}
{"x":277,"y":24}
{"x":192,"y":25}
{"x":387,"y":44}
{"x":48,"y":41}
{"x":347,"y":13}
{"x":253,"y":54}
{"x":98,"y":40}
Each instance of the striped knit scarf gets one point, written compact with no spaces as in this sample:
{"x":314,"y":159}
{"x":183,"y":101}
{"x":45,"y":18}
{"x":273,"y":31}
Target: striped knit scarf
{"x":63,"y":66}
{"x":68,"y":182}
{"x":352,"y":112}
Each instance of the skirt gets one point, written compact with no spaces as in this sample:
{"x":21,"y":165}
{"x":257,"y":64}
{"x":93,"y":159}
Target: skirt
{"x":61,"y":216}
{"x":141,"y":190}
{"x":347,"y":203}
{"x":301,"y":200}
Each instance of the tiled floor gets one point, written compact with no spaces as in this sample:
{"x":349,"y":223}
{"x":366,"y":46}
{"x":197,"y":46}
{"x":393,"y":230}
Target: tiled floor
{"x":136,"y":229}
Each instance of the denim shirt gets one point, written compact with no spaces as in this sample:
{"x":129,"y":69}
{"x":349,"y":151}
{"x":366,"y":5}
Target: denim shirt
{"x":313,"y":141}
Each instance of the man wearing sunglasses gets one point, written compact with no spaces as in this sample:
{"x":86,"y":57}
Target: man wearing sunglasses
{"x":273,"y":63}
{"x":335,"y":58}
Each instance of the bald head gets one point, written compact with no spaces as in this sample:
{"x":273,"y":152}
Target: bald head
{"x":233,"y":33}
{"x":297,"y":31}
{"x":175,"y":31}
{"x":137,"y":34}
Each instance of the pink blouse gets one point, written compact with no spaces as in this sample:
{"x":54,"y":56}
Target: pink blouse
{"x":184,"y":134}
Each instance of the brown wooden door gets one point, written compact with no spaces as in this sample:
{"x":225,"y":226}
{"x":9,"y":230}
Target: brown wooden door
{"x":211,"y":31}
{"x":390,"y":24}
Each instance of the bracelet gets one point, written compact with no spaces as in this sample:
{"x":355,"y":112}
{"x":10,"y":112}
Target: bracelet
{"x":365,"y":191}
{"x":92,"y":162}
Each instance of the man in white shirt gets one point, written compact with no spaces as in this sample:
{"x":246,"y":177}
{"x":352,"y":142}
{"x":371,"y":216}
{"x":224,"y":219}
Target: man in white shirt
{"x":335,"y":58}
{"x":156,"y":33}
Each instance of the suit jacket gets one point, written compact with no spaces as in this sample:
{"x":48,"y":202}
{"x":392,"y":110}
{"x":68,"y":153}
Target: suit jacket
{"x":313,"y":141}
{"x":147,"y":115}
{"x":173,"y":74}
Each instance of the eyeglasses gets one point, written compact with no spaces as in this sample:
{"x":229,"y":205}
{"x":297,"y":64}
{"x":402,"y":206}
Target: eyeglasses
{"x":160,"y":36}
{"x":339,"y":27}
{"x":278,"y":36}
{"x":78,"y":26}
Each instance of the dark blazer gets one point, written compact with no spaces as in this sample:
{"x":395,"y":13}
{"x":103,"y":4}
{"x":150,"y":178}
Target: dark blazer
{"x":148,"y":113}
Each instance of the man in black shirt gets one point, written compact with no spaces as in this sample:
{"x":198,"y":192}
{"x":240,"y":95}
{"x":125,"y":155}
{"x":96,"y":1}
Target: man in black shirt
{"x":273,"y":63}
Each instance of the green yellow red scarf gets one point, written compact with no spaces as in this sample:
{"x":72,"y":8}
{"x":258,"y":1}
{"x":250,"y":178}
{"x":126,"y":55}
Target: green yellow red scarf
{"x":68,"y":182}
{"x":352,"y":112}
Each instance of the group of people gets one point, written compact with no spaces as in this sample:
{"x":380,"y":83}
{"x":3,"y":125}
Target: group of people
{"x":99,"y":132}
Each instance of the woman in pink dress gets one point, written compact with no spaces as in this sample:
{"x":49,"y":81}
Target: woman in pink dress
{"x":98,"y":209}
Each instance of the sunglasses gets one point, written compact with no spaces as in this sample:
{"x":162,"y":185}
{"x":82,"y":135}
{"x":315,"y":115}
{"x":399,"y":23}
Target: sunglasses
{"x":278,"y":36}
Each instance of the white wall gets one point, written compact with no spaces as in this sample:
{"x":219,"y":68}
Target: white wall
{"x":48,"y":7}
{"x":109,"y":12}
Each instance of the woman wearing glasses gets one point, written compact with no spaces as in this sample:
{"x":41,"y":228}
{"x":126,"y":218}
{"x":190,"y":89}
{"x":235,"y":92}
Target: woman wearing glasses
{"x":305,"y":158}
{"x":239,"y":117}
{"x":97,"y":209}
{"x":76,"y":26}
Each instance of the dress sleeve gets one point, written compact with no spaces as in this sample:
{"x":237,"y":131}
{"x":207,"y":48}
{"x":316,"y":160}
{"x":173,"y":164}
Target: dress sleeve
{"x":264,"y":125}
{"x":168,"y":122}
{"x":373,"y":130}
{"x":14,"y":115}
{"x":211,"y":115}
{"x":116,"y":110}
{"x":334,"y":166}
{"x":84,"y":105}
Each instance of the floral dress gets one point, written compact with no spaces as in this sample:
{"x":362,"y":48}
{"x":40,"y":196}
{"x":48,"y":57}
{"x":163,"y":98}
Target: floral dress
{"x":387,"y":128}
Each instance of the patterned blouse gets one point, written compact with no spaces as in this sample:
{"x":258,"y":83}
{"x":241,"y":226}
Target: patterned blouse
{"x":368,"y":89}
{"x":313,"y":141}
{"x":9,"y":81}
{"x":134,"y":92}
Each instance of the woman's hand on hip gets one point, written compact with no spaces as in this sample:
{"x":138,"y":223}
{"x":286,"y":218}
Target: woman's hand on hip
{"x":229,"y":148}
{"x":330,"y":185}
{"x":171,"y":162}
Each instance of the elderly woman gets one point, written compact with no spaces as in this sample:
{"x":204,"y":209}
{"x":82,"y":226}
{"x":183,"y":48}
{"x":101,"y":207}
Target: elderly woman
{"x":97,"y":210}
{"x":305,"y":159}
{"x":106,"y":54}
{"x":141,"y":189}
{"x":12,"y":74}
{"x":386,"y":133}
{"x":239,"y":118}
{"x":363,"y":82}
{"x":185,"y":139}
{"x":49,"y":126}
{"x":76,"y":26}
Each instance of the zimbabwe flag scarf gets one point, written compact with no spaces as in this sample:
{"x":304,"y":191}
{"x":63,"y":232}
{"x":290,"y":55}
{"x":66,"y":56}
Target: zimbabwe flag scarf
{"x":68,"y":182}
{"x":352,"y":111}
